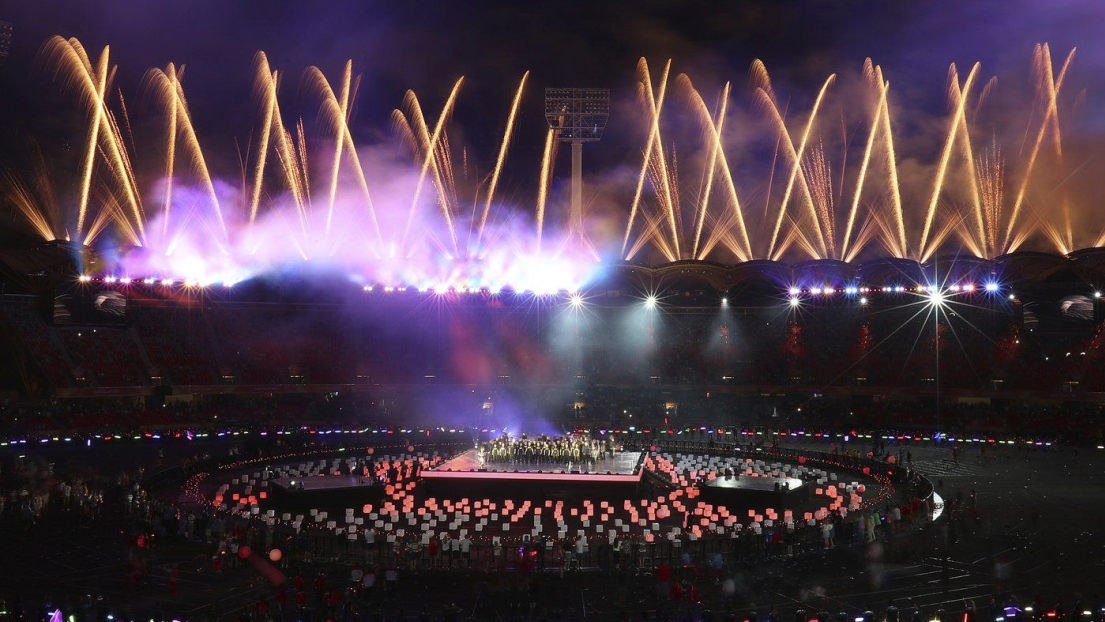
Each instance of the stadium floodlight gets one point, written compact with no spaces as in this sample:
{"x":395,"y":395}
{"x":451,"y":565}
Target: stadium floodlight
{"x":991,"y":287}
{"x":794,"y":301}
{"x":936,"y":297}
{"x":650,"y":302}
{"x":724,"y":302}
{"x":577,"y":116}
{"x":863,"y":301}
{"x":794,"y":291}
{"x":576,"y":300}
{"x":1097,"y":294}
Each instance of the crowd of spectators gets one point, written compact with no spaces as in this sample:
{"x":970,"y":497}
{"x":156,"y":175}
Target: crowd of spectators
{"x":226,"y":342}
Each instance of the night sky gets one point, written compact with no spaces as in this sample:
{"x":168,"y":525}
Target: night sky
{"x":425,"y":46}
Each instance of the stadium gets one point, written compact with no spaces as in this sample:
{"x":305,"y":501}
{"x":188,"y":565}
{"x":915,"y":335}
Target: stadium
{"x":659,"y":398}
{"x":1021,"y":327}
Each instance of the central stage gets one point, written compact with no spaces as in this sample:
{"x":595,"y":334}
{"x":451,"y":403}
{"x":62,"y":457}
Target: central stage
{"x":623,"y":471}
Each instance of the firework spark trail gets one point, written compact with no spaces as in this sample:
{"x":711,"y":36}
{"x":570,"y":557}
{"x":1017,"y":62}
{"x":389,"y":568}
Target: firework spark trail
{"x":652,"y":231}
{"x":1052,"y":85}
{"x":170,"y":149}
{"x":717,"y":156}
{"x":112,"y":212}
{"x":721,"y":232}
{"x":820,"y":176}
{"x":1057,"y":142}
{"x":964,"y":139}
{"x":547,"y":159}
{"x":991,"y":177}
{"x":717,"y":124}
{"x":796,"y":166}
{"x":661,"y":175}
{"x":656,"y":104}
{"x":262,"y":87}
{"x":430,"y":145}
{"x":502,"y":157}
{"x":301,"y":134}
{"x":289,"y":157}
{"x":133,"y":230}
{"x":872,"y":76}
{"x":337,"y":109}
{"x":68,"y":57}
{"x":37,"y":203}
{"x":24,"y":200}
{"x":760,"y":81}
{"x":286,"y":158}
{"x":444,"y":164}
{"x":266,"y":85}
{"x":182,"y":121}
{"x":287,"y":153}
{"x":984,"y":95}
{"x":892,"y":168}
{"x":337,"y":112}
{"x":949,"y":143}
{"x":662,"y":178}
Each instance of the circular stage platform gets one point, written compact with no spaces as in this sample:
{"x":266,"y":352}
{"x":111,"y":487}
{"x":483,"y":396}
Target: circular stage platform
{"x":649,"y":495}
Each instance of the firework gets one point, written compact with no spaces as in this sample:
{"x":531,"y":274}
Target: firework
{"x":377,"y":220}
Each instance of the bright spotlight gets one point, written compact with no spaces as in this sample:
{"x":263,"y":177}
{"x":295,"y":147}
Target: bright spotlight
{"x":863,"y":301}
{"x":1097,"y":294}
{"x":936,"y":297}
{"x":576,"y":300}
{"x":725,"y":302}
{"x":793,"y":301}
{"x":794,"y":291}
{"x":650,"y":302}
{"x":991,"y":287}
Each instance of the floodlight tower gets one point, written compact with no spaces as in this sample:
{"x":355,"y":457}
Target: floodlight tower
{"x":577,"y":116}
